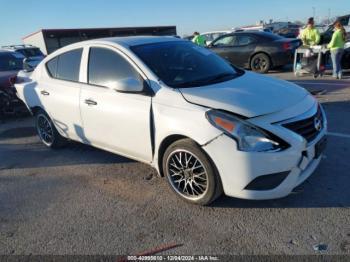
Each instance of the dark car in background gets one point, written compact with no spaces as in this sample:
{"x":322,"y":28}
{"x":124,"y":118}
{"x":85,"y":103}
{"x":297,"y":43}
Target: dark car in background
{"x":258,"y":51}
{"x":10,"y":64}
{"x":327,"y":35}
{"x":32,"y":54}
{"x":345,"y":63}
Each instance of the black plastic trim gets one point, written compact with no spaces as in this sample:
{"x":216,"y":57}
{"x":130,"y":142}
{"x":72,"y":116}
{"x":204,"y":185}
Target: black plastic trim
{"x":267,"y":182}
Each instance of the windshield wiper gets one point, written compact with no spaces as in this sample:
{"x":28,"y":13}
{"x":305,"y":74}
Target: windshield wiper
{"x":191,"y":83}
{"x":220,"y":77}
{"x":207,"y":80}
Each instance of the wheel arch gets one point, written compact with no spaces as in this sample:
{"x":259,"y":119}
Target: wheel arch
{"x":166,"y":142}
{"x":35,"y":109}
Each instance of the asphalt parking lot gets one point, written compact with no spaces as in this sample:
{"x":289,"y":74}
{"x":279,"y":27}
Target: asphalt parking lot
{"x":80,"y":200}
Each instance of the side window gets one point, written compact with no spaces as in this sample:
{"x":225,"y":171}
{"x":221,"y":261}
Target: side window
{"x":245,"y":40}
{"x":216,"y":35}
{"x":226,"y":41}
{"x":106,"y":66}
{"x":65,"y":66}
{"x":68,"y":66}
{"x":52,"y":67}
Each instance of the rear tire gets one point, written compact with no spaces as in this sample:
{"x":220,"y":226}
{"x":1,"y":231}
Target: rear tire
{"x":260,"y":63}
{"x":47,"y":131}
{"x":190,"y":173}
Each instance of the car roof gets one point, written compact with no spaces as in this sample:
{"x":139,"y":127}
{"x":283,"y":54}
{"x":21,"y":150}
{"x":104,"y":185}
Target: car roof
{"x":124,"y":42}
{"x":129,"y":41}
{"x":253,"y":32}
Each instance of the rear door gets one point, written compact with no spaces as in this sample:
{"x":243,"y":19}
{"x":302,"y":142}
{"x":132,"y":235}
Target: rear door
{"x":244,"y":48}
{"x":225,"y":47}
{"x":119,"y":122}
{"x":59,"y":92}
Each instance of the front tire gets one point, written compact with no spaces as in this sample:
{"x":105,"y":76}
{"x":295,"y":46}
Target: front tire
{"x":47,"y":131}
{"x":260,"y":63}
{"x":190,"y":173}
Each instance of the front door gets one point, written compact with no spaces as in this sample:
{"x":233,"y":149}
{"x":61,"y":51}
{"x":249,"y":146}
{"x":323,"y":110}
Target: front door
{"x":119,"y":122}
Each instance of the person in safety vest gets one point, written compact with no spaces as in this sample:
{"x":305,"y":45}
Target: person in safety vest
{"x":310,"y":35}
{"x":337,"y":48}
{"x":198,"y":39}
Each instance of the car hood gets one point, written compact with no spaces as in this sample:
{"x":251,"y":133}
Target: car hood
{"x":249,"y":95}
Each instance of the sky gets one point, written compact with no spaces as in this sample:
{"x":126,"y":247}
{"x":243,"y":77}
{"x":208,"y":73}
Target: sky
{"x":19,"y":18}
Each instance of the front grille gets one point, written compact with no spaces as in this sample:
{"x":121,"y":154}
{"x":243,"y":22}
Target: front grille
{"x":308,"y":128}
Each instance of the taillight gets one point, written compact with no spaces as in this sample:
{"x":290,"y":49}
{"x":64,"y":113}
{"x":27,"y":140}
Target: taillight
{"x":286,"y":46}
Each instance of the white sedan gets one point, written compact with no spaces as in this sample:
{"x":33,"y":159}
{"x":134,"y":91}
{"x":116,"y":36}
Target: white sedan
{"x":206,"y":125}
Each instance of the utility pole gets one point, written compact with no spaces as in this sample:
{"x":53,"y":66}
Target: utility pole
{"x":329,"y":15}
{"x":313,"y":12}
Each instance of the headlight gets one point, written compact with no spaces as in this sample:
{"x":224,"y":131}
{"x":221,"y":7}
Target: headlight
{"x":249,"y":137}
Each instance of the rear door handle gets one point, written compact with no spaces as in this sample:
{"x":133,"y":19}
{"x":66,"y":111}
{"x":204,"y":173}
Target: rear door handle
{"x":90,"y":102}
{"x":45,"y":93}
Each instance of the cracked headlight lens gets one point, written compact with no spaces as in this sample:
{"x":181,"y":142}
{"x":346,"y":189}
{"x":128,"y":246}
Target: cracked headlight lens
{"x":249,"y":137}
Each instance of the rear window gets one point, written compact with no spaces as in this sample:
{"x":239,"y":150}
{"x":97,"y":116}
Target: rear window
{"x":9,"y":62}
{"x":66,"y":66}
{"x":245,"y":40}
{"x":30,"y":52}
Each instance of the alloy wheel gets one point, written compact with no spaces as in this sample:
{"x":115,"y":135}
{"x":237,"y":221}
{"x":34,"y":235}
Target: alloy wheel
{"x":187,"y":174}
{"x":45,"y":130}
{"x":260,"y":64}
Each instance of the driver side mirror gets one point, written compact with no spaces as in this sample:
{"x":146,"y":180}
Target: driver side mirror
{"x":127,"y":85}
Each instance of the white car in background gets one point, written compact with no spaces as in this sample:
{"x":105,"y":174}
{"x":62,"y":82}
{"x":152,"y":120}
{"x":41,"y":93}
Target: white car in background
{"x":207,"y":126}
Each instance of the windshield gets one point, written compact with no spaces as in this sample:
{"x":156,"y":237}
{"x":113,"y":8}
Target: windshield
{"x":8,"y":62}
{"x":184,"y":64}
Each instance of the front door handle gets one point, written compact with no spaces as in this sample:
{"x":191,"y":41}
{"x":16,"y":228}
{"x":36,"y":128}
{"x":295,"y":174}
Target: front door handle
{"x":45,"y":93}
{"x":90,"y":102}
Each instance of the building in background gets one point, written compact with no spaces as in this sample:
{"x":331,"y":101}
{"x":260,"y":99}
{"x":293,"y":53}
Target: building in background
{"x":49,"y":40}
